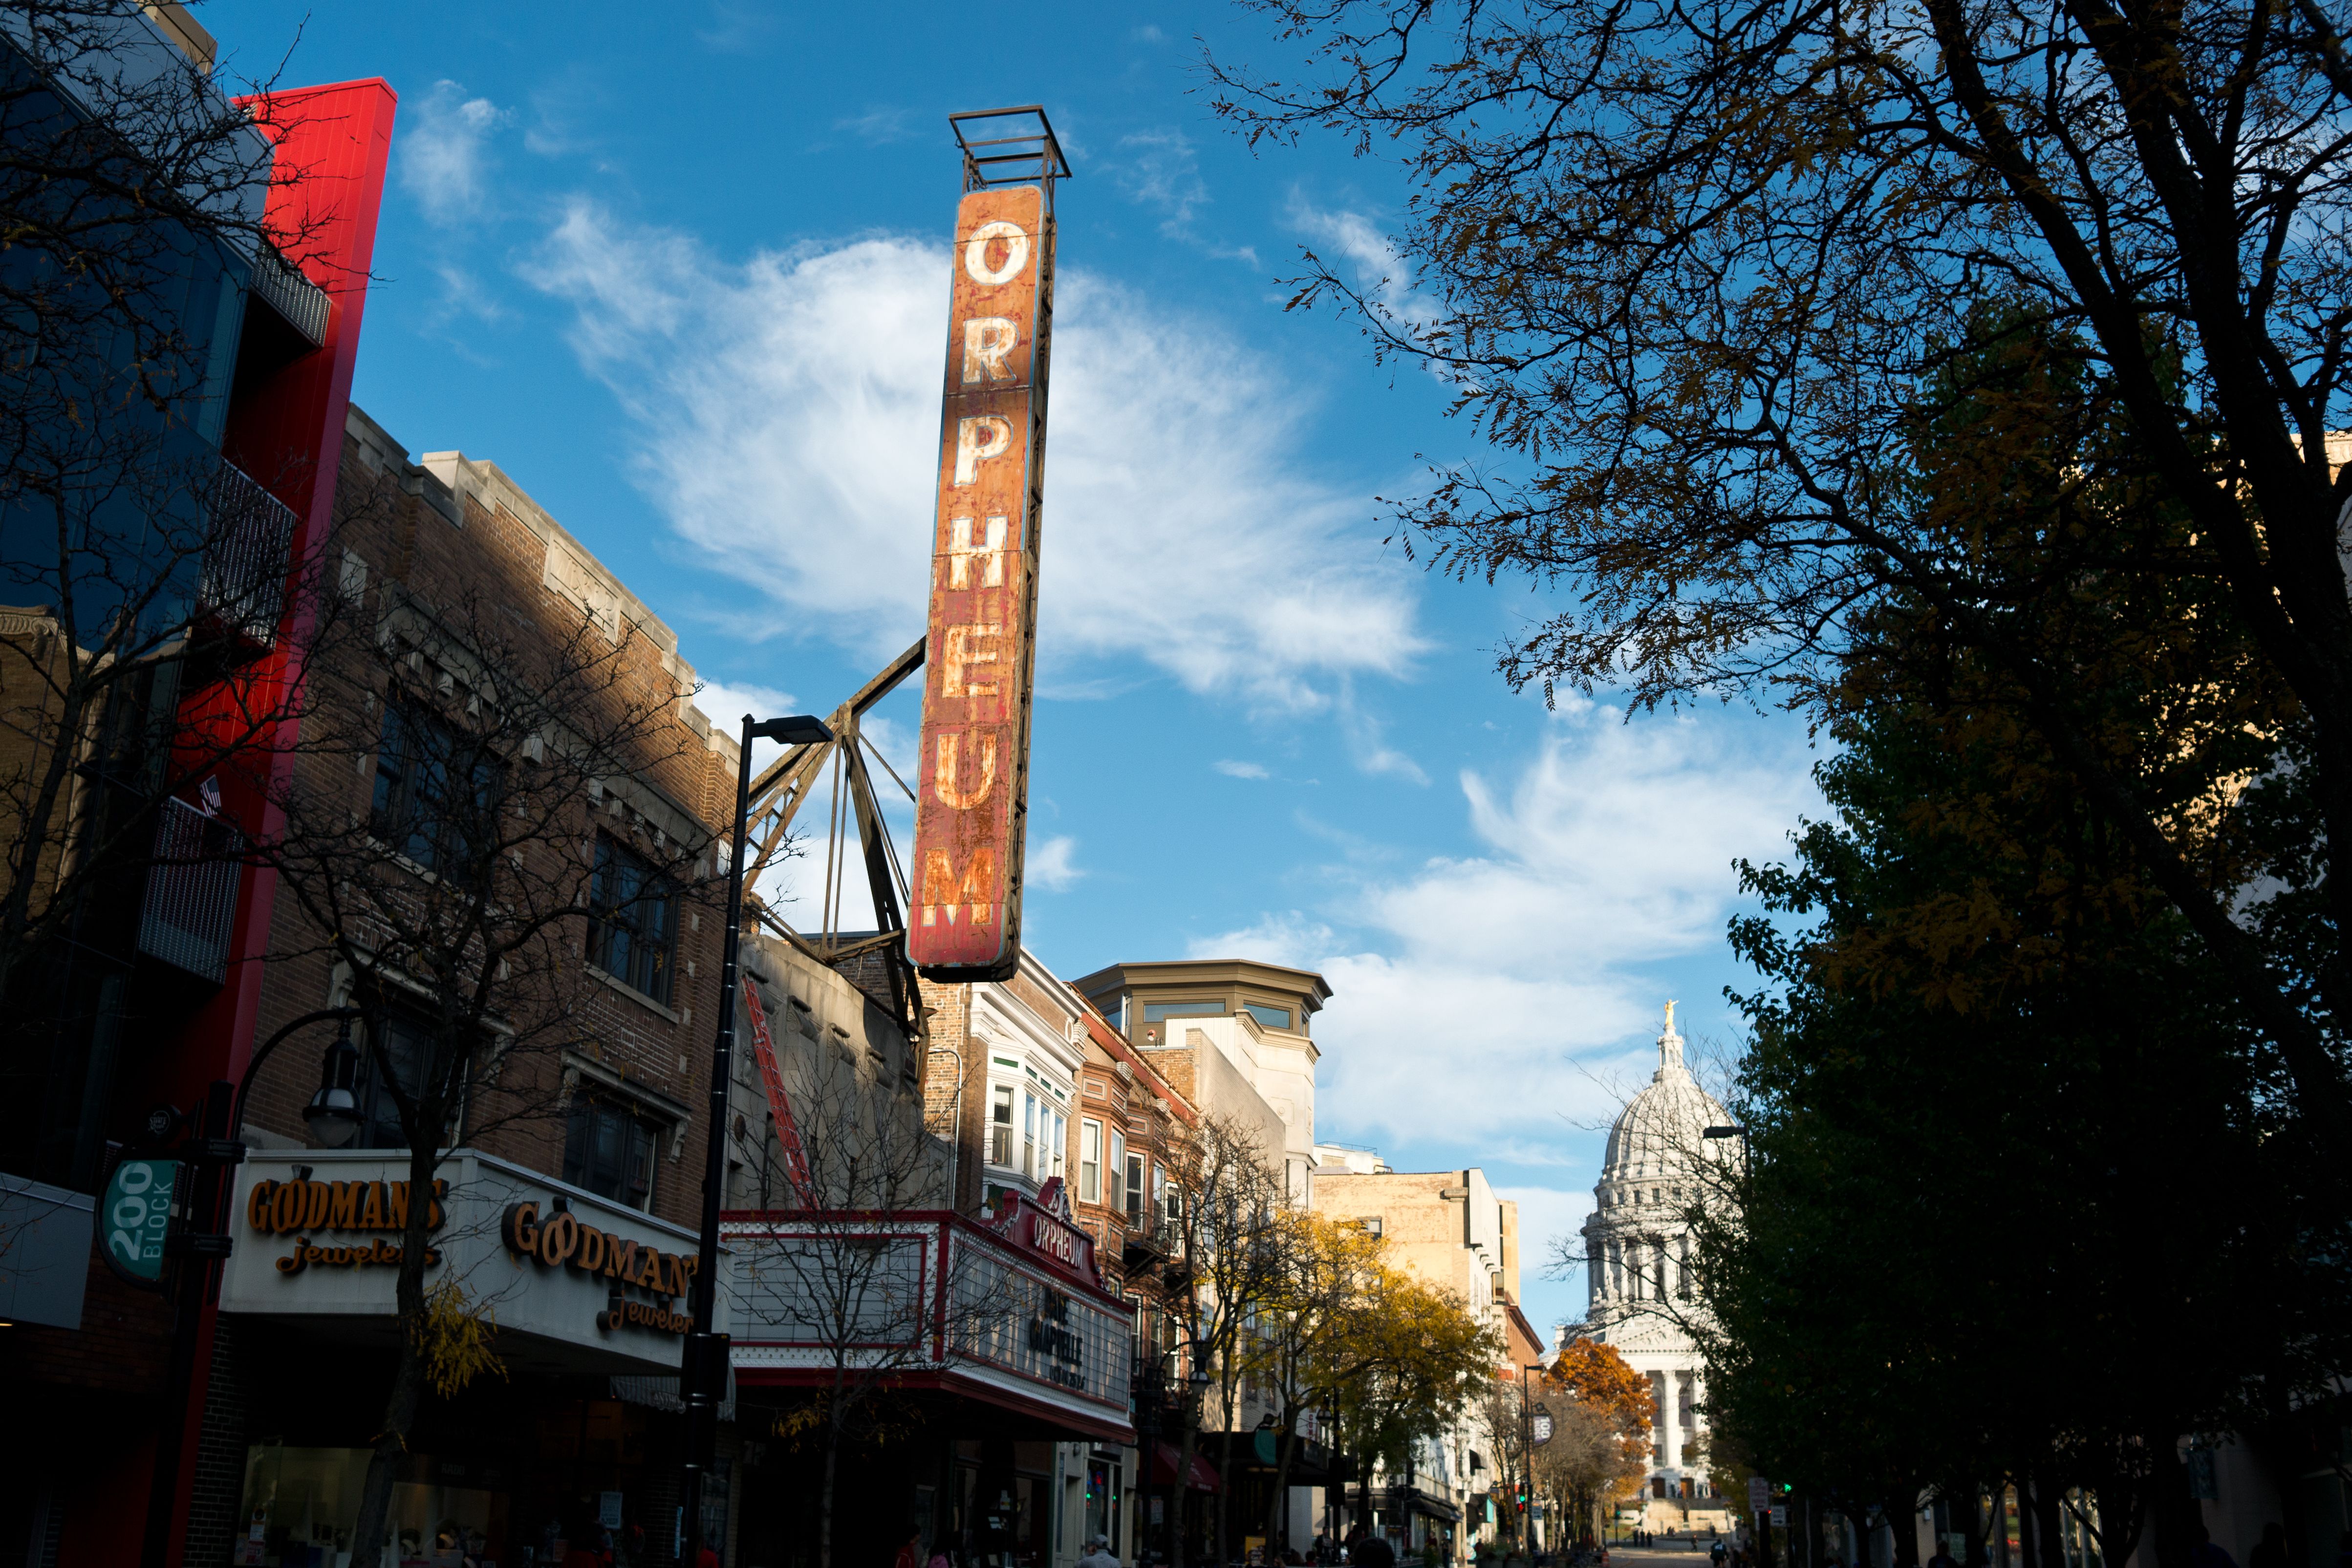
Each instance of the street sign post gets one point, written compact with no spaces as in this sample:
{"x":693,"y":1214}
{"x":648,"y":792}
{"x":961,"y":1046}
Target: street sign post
{"x":1760,"y":1494}
{"x":135,"y":1219}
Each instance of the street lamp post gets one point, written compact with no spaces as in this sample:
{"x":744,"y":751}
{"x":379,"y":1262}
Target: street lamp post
{"x":1747,"y":1171}
{"x":1196,"y":1383}
{"x":332,"y":1118}
{"x":1147,"y":1433}
{"x":702,"y":1370}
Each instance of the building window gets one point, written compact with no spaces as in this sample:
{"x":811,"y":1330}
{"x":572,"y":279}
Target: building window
{"x":1000,"y":1125}
{"x":1029,"y":1136}
{"x":634,"y":922}
{"x":1273,"y":1017}
{"x":399,"y":1048}
{"x":421,"y":808}
{"x":1135,"y":1191}
{"x":1053,"y":1160}
{"x":1118,"y":1165}
{"x":1089,"y":1161}
{"x":610,"y":1151}
{"x":1153,"y":1012}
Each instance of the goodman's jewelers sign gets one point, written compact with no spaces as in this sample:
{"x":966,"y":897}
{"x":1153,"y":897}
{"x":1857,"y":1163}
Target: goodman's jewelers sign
{"x":596,"y":1286}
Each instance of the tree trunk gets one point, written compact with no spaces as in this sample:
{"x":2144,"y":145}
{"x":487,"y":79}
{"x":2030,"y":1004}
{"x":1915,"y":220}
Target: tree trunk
{"x":1217,"y":1552}
{"x":407,"y":1394}
{"x":2049,"y":1520}
{"x":1903,"y":1528}
{"x":1278,"y":1522}
{"x":1179,"y":1486}
{"x":2172,"y":1515}
{"x":825,"y":1498}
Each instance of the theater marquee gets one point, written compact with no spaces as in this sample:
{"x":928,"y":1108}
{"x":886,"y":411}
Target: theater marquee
{"x":973,"y":767}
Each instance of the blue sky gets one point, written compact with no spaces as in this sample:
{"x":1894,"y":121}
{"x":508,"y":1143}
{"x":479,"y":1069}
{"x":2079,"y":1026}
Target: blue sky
{"x":682,"y":272}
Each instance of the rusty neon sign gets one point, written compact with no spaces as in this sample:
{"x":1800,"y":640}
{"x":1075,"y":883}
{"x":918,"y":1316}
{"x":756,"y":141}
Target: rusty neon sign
{"x":972,"y":768}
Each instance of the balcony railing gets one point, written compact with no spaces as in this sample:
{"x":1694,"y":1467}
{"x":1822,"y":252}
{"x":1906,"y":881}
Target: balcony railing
{"x":243,"y":585}
{"x":302,"y":304}
{"x":191,"y":891}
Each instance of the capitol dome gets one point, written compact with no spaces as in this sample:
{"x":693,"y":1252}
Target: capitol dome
{"x":1638,"y":1270}
{"x":1661,"y":1130}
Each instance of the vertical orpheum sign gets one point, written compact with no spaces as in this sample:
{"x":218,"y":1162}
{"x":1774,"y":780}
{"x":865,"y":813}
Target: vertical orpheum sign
{"x":973,"y":766}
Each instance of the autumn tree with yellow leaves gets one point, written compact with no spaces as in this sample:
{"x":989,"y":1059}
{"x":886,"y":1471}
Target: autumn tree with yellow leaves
{"x":1407,"y":1358}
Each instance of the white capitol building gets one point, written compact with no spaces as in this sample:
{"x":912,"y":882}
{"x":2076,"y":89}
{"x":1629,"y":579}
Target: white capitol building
{"x":1639,"y":1263}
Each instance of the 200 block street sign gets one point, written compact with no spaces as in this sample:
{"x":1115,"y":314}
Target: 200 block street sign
{"x":136,"y":1215}
{"x":973,"y":766}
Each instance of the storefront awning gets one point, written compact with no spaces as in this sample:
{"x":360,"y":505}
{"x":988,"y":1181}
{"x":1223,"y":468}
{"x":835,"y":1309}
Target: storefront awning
{"x":1259,"y":1448}
{"x":1202,"y":1477}
{"x":1414,"y":1500}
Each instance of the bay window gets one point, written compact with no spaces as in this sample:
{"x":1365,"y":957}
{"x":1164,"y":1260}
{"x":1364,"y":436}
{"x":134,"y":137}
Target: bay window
{"x":1000,"y":1125}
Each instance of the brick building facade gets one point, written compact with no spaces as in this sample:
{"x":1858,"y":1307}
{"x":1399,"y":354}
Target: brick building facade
{"x":590,"y":1106}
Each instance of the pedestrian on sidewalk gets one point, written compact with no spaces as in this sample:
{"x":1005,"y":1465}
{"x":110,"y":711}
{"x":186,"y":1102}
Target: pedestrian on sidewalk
{"x":2208,"y":1553}
{"x":1098,"y":1554}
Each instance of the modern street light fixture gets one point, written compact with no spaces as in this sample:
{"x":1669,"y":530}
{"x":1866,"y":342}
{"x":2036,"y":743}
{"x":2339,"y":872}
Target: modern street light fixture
{"x":702,"y":1370}
{"x":1746,"y":1157}
{"x":333,"y":1113}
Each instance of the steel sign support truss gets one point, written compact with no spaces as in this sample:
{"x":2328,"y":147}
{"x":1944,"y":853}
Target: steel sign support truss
{"x":836,"y":771}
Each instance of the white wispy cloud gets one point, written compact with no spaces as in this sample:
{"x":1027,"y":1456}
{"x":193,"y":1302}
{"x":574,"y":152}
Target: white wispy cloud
{"x":1368,"y":746}
{"x":724,"y":704}
{"x":879,"y":126}
{"x":1053,"y":865}
{"x":1159,"y":169}
{"x":788,"y":410}
{"x":444,"y":151}
{"x":1383,"y":275}
{"x":1232,"y":769}
{"x":1526,"y":965}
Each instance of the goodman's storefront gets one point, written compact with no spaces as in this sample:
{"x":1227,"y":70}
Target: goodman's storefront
{"x":958,"y":1352}
{"x":575,"y":1442}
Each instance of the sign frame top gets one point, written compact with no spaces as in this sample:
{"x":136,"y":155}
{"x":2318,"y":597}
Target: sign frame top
{"x":1014,"y":146}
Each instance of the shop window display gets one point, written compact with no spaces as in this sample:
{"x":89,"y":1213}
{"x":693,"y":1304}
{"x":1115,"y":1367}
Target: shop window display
{"x":301,"y":1504}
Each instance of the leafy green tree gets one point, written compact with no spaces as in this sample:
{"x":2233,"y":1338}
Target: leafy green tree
{"x":1998,"y":1073}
